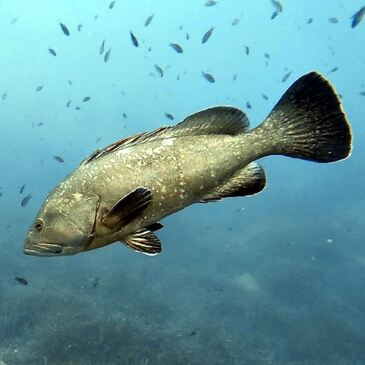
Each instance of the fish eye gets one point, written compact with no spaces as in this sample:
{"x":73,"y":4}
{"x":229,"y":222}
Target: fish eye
{"x":38,"y":225}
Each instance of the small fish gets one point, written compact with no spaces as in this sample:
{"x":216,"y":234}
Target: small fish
{"x":96,"y":16}
{"x":14,"y":20}
{"x":286,"y":76}
{"x":52,"y":51}
{"x":267,"y":56}
{"x":124,"y":115}
{"x":134,"y":39}
{"x":248,"y":105}
{"x":59,"y":158}
{"x":265,"y":97}
{"x":39,"y":88}
{"x":210,"y":3}
{"x":333,"y":70}
{"x":274,"y":15}
{"x":95,"y":282}
{"x":207,"y":35}
{"x":26,"y":200}
{"x":111,"y":5}
{"x":234,"y":78}
{"x":159,"y":70}
{"x":357,"y":17}
{"x":68,"y":103}
{"x":333,"y":20}
{"x":64,"y":29}
{"x":208,"y":77}
{"x":98,"y":139}
{"x":187,"y":36}
{"x":247,"y":50}
{"x":86,"y":98}
{"x":40,"y":124}
{"x":277,"y":5}
{"x":4,"y":96}
{"x":362,"y":93}
{"x":77,"y":108}
{"x":236,"y":21}
{"x":310,"y":21}
{"x":107,"y":55}
{"x":148,"y":20}
{"x":169,"y":116}
{"x":69,"y":82}
{"x":102,"y":47}
{"x":22,"y":189}
{"x":22,"y":281}
{"x":176,"y":47}
{"x":79,"y":27}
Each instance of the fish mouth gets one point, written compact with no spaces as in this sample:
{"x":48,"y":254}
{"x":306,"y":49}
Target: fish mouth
{"x":42,"y":249}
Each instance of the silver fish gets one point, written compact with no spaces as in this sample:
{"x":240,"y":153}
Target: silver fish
{"x":176,"y":47}
{"x":207,"y":35}
{"x":107,"y":55}
{"x":121,"y":192}
{"x":102,"y":47}
{"x":148,"y":21}
{"x":208,"y":77}
{"x":357,"y":17}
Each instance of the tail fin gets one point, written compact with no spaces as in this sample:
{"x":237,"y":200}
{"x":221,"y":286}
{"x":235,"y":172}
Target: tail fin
{"x":308,"y":122}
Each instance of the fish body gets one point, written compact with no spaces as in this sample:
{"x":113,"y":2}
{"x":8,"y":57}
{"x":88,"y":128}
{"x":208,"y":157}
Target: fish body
{"x":25,"y":200}
{"x":86,"y":98}
{"x":357,"y":17}
{"x":121,"y":192}
{"x":169,"y":116}
{"x":159,"y":70}
{"x":107,"y":55}
{"x":210,"y":3}
{"x":207,"y":35}
{"x":22,"y":189}
{"x":59,"y":159}
{"x":52,"y":51}
{"x":102,"y":47}
{"x":39,"y":88}
{"x":134,"y":39}
{"x":208,"y":77}
{"x":64,"y":29}
{"x":22,"y":281}
{"x":111,"y":5}
{"x":148,"y":20}
{"x":176,"y":47}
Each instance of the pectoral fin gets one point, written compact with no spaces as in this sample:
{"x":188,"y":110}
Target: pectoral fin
{"x":127,"y":208}
{"x":143,"y":241}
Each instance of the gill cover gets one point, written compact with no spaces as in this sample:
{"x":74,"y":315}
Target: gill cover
{"x":77,"y":221}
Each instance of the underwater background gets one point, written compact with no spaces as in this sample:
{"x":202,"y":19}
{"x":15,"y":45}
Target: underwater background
{"x":276,"y":278}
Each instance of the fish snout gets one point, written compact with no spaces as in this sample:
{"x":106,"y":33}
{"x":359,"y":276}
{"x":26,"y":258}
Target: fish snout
{"x":42,"y":249}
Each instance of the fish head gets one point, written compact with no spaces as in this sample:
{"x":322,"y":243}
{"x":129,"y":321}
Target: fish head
{"x":63,"y":226}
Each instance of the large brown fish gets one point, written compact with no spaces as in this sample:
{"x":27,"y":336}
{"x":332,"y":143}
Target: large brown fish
{"x":121,"y":192}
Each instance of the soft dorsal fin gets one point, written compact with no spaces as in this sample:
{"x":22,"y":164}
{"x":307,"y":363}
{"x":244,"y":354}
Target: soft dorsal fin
{"x":127,"y":208}
{"x":217,"y":120}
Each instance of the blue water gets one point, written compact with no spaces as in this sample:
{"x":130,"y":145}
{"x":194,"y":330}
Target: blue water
{"x":277,"y":278}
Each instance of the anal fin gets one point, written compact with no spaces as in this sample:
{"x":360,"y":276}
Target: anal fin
{"x":143,"y":241}
{"x":248,"y":181}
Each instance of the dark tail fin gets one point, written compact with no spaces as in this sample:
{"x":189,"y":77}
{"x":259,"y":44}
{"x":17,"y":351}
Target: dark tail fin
{"x":308,"y":122}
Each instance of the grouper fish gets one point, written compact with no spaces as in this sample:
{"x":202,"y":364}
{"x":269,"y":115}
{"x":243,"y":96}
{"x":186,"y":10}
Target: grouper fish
{"x":121,"y":192}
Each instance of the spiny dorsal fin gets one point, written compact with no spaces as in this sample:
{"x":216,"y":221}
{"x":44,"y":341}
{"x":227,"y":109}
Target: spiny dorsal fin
{"x":127,"y":208}
{"x":248,"y":181}
{"x":217,"y":120}
{"x":143,"y":241}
